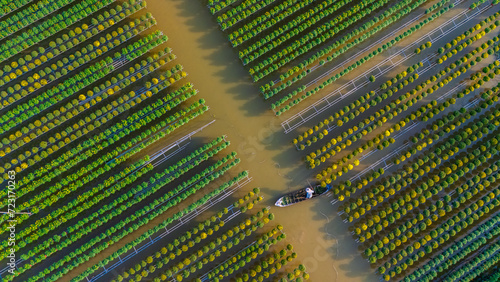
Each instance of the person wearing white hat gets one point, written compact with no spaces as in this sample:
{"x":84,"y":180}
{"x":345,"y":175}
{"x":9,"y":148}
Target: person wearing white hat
{"x":309,"y":192}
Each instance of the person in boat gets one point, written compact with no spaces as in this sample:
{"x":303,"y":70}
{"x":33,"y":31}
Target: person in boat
{"x":309,"y":193}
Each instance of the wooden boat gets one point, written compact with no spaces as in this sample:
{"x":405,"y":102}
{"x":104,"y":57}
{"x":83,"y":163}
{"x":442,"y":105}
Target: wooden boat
{"x":300,"y":195}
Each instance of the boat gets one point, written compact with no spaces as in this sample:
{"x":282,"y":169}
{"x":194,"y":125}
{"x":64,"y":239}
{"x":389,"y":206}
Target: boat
{"x":300,"y":195}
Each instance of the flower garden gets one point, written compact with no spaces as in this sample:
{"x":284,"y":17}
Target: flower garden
{"x":392,"y":103}
{"x":411,"y":153}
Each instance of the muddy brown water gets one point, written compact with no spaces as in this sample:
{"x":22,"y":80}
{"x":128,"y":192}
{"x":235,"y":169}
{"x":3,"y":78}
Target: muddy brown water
{"x":318,"y":235}
{"x":321,"y":239}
